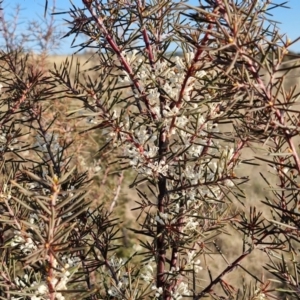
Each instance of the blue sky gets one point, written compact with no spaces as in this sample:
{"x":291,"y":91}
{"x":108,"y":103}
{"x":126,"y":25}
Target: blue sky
{"x":290,"y":18}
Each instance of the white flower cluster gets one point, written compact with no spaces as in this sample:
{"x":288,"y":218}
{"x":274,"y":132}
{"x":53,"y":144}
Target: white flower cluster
{"x":181,"y":291}
{"x":196,"y":164}
{"x":8,"y":142}
{"x":165,"y":218}
{"x":24,"y":241}
{"x":48,"y":142}
{"x":203,"y":179}
{"x":148,"y":273}
{"x":192,"y":263}
{"x":158,"y":291}
{"x":70,"y":261}
{"x":170,"y":77}
{"x":6,"y":192}
{"x":144,"y":160}
{"x":202,"y":184}
{"x":59,"y":280}
{"x":186,"y":124}
{"x":40,"y":291}
{"x":118,"y":288}
{"x":60,"y":276}
{"x":259,"y":295}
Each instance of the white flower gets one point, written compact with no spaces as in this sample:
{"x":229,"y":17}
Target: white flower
{"x":191,"y":225}
{"x":115,"y":291}
{"x":148,"y":275}
{"x":259,"y":295}
{"x":97,"y":169}
{"x":33,"y":218}
{"x":152,"y":152}
{"x":3,"y":138}
{"x":125,"y":80}
{"x":59,"y":296}
{"x":228,"y":183}
{"x":200,"y":74}
{"x":42,"y":289}
{"x":155,"y":168}
{"x":131,"y":57}
{"x":158,"y":291}
{"x":191,"y":263}
{"x":28,"y":247}
{"x":260,"y":4}
{"x":54,"y":281}
{"x":18,"y":239}
{"x":195,"y":150}
{"x":181,"y":290}
{"x":165,"y":36}
{"x":189,"y":56}
{"x":20,"y":283}
{"x":153,"y":96}
{"x":116,"y":263}
{"x":179,"y":63}
{"x":181,"y":121}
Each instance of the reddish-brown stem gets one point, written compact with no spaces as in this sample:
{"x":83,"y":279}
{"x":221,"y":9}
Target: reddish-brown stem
{"x":228,"y":269}
{"x":267,"y":91}
{"x":146,"y":38}
{"x":162,"y":187}
{"x":277,"y":112}
{"x":148,"y":47}
{"x":17,"y":105}
{"x":51,"y":233}
{"x":123,"y":61}
{"x":190,"y":72}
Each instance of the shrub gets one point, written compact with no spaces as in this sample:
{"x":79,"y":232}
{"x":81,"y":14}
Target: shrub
{"x":180,"y":93}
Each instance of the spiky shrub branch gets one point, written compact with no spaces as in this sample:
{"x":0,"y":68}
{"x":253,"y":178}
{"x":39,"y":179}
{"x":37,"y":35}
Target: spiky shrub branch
{"x":164,"y":111}
{"x":180,"y":125}
{"x":46,"y":227}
